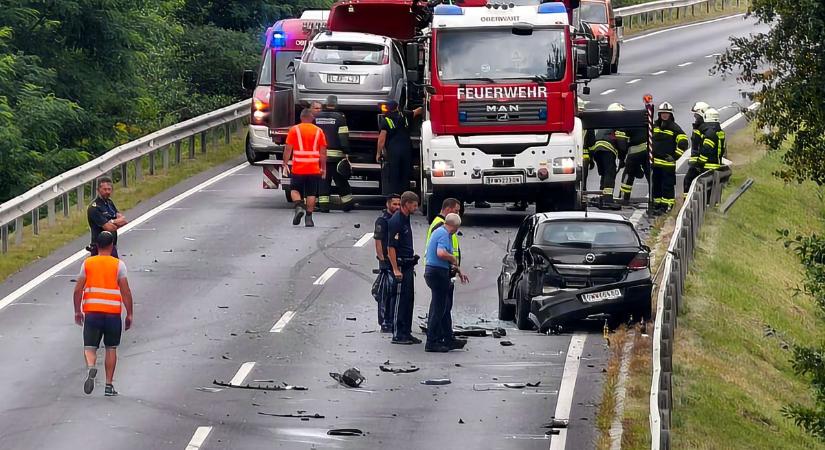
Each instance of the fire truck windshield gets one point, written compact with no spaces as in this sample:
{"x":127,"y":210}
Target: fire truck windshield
{"x":498,"y":54}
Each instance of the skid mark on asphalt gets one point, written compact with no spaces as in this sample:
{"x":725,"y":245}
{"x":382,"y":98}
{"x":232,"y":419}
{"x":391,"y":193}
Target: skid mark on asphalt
{"x":199,"y":438}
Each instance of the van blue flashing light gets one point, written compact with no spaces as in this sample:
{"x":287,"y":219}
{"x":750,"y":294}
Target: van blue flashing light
{"x":448,"y":10}
{"x":278,"y":39}
{"x":542,"y":113}
{"x":462,"y":116}
{"x":552,"y":8}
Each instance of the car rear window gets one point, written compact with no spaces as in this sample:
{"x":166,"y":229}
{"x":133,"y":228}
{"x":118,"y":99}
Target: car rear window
{"x":346,"y":53}
{"x":587,"y":234}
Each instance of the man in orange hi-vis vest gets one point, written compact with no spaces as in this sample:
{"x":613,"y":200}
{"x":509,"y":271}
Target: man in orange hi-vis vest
{"x":100,"y":293}
{"x":306,"y":145}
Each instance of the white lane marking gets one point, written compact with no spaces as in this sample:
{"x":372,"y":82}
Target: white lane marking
{"x":609,"y":91}
{"x":635,"y":80}
{"x":22,"y":290}
{"x":568,"y":382}
{"x":325,"y":276}
{"x":713,"y":55}
{"x":637,"y":216}
{"x":659,"y":72}
{"x":616,"y":429}
{"x":363,"y":241}
{"x":281,"y":323}
{"x":681,"y":27}
{"x":685,"y":64}
{"x":198,"y":438}
{"x":738,"y":116}
{"x":242,"y":373}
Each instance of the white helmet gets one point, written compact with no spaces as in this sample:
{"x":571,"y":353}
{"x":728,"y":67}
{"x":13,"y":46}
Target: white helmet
{"x":666,"y":108}
{"x":711,"y":115}
{"x":616,"y":107}
{"x":699,"y":108}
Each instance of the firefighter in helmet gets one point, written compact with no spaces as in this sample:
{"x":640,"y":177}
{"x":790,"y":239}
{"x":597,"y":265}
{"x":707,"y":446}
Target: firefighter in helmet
{"x":696,"y":139}
{"x":669,"y":143}
{"x":610,"y":146}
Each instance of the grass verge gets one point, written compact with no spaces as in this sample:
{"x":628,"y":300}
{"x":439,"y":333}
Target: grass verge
{"x":685,"y":17}
{"x":67,"y":229}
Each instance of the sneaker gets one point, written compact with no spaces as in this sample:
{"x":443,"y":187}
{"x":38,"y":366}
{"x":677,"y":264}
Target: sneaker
{"x":89,"y":384}
{"x":414,"y":340}
{"x":308,"y":220}
{"x":437,"y":348}
{"x":299,"y":214}
{"x":386,"y":328}
{"x":110,"y":391}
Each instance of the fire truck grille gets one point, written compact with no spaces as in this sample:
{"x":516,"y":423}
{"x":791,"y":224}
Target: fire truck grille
{"x":502,"y":113}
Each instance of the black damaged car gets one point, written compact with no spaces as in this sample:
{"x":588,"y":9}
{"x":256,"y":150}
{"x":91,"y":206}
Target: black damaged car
{"x":566,"y":266}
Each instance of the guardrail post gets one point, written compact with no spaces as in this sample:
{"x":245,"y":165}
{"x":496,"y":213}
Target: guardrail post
{"x":203,"y":141}
{"x":18,"y":230}
{"x":177,"y":152}
{"x":36,"y":221}
{"x":152,"y":162}
{"x":124,"y":175}
{"x":65,"y":204}
{"x":192,"y":147}
{"x":4,"y":237}
{"x":226,"y":133}
{"x":50,"y":212}
{"x":214,"y":133}
{"x":139,"y":168}
{"x":81,"y":191}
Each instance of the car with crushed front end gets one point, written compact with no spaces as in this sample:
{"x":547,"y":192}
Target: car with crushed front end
{"x":565,"y":266}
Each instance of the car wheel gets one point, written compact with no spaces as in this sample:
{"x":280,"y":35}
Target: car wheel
{"x":523,"y":312}
{"x":251,"y":156}
{"x":614,"y":67}
{"x":505,"y":311}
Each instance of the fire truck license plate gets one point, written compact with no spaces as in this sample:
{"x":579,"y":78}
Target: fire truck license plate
{"x":601,"y":296}
{"x":344,"y":79}
{"x":504,"y":179}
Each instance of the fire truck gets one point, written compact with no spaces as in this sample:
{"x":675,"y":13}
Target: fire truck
{"x":499,"y":88}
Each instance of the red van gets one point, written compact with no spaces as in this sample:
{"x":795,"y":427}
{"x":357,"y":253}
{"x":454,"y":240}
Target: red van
{"x":598,"y":14}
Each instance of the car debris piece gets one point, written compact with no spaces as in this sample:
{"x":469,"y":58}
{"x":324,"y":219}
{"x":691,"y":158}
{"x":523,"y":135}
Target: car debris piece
{"x":345,"y":432}
{"x":460,"y":420}
{"x":266,"y":387}
{"x":208,"y":389}
{"x":506,"y":343}
{"x":387,"y":367}
{"x":556,"y":423}
{"x":496,"y":334}
{"x":436,"y":382}
{"x":297,"y":416}
{"x":462,"y":331}
{"x":351,"y":377}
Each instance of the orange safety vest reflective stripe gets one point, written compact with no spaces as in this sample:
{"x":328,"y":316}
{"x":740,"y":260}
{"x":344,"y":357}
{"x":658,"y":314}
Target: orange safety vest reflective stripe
{"x":306,"y":161}
{"x":101,"y":293}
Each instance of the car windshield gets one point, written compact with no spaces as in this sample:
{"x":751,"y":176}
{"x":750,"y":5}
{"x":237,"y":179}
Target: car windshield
{"x":587,"y":234}
{"x":347,"y":53}
{"x":284,"y":67}
{"x":592,"y":12}
{"x":498,"y":54}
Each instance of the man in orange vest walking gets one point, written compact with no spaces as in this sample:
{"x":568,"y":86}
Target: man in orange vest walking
{"x":100,"y":292}
{"x":306,"y":145}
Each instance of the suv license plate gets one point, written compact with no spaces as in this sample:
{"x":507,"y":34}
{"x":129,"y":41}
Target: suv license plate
{"x":504,"y":179}
{"x":343,"y":79}
{"x":595,"y":297}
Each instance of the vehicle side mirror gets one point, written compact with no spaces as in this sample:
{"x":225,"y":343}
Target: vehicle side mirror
{"x":586,"y":90}
{"x":411,"y":55}
{"x":248,"y":81}
{"x":618,"y":21}
{"x":412,"y":76}
{"x":522,"y":29}
{"x":592,"y":52}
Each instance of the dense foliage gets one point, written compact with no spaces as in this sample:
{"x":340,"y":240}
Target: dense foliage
{"x":78,"y":77}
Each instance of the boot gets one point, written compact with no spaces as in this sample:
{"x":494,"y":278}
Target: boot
{"x":308,"y":220}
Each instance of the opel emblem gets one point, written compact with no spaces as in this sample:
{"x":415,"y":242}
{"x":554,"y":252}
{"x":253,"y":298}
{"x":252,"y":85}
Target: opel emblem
{"x":589,"y":257}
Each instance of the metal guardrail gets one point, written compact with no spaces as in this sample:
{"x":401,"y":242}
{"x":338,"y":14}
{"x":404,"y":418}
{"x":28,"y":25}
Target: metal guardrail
{"x":705,"y":192}
{"x":671,"y":10}
{"x":15,"y":211}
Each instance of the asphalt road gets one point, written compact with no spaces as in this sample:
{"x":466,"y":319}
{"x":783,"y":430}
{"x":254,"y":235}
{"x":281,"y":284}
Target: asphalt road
{"x":221,"y":280}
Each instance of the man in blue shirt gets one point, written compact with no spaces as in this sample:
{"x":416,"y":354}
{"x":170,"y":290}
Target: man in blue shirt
{"x":441,"y":264}
{"x":403,"y":259}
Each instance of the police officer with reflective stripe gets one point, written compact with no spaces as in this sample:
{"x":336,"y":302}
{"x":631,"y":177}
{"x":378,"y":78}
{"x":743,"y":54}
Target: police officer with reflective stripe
{"x":403,"y":260}
{"x":669,"y":143}
{"x":609,"y":146}
{"x":395,"y":148}
{"x":696,"y":139}
{"x":335,"y":128}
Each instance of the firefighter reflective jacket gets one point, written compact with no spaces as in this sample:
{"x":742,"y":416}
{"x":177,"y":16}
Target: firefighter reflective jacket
{"x":336,"y":131}
{"x":713,"y":146}
{"x":614,"y":141}
{"x":669,"y":143}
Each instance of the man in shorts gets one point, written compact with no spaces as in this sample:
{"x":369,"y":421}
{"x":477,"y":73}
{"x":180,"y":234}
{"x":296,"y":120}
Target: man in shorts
{"x":306,"y":146}
{"x":100,"y":293}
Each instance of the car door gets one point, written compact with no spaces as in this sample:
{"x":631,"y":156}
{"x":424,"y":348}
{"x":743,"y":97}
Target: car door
{"x":513,"y":264}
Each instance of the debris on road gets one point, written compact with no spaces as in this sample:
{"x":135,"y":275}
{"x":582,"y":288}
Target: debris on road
{"x":482,"y":387}
{"x":436,"y":381}
{"x":222,"y":307}
{"x":267,"y":387}
{"x":460,"y":420}
{"x":208,"y":389}
{"x":351,"y":377}
{"x":297,"y":416}
{"x":352,"y":318}
{"x":388,"y":367}
{"x":357,"y":225}
{"x":556,"y":423}
{"x":506,"y":343}
{"x":345,"y":432}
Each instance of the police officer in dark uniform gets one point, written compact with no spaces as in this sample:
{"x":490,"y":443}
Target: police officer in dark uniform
{"x":403,"y":260}
{"x":395,"y":148}
{"x":336,"y":131}
{"x":383,"y":290}
{"x":103,"y":215}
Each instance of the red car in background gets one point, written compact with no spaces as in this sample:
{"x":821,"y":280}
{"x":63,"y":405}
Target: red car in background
{"x":606,"y":28}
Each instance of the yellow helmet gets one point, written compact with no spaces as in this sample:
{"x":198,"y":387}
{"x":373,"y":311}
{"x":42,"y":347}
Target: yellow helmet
{"x":616,"y":107}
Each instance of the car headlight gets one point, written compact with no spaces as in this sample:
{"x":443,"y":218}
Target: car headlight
{"x":564,"y":165}
{"x":443,"y":168}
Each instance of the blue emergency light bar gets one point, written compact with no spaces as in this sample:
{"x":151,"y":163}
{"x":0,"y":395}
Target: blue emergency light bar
{"x":552,"y":8}
{"x":448,"y":10}
{"x":278,"y":39}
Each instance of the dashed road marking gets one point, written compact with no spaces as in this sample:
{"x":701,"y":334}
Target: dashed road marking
{"x":325,"y":276}
{"x":713,"y":55}
{"x":201,"y":433}
{"x":635,"y":80}
{"x":363,"y":241}
{"x":659,"y":72}
{"x":685,"y":64}
{"x":637,"y":216}
{"x":281,"y":323}
{"x":242,"y":373}
{"x":609,"y":91}
{"x":564,"y":400}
